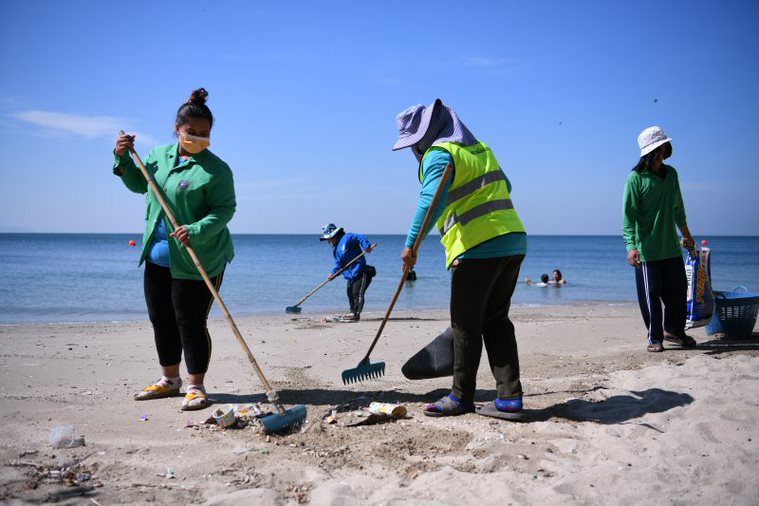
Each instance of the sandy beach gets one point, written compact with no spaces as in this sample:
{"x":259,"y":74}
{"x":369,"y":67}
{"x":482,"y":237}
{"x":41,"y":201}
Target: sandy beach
{"x":609,"y":423}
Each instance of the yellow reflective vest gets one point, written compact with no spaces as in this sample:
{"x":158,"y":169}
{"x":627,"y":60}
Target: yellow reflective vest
{"x":478,"y":204}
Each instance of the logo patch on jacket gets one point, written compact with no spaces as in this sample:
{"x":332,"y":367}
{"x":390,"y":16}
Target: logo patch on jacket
{"x":183,"y":184}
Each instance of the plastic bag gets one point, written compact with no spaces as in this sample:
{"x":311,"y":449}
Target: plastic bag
{"x":700,"y":297}
{"x":433,"y":361}
{"x":64,"y":436}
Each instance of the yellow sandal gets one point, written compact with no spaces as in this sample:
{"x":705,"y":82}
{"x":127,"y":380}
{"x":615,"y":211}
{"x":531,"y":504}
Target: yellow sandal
{"x":158,"y":390}
{"x":195,"y":398}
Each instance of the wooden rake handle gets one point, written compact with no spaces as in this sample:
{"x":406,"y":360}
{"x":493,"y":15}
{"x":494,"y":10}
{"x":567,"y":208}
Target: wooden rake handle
{"x":169,"y":214}
{"x":415,"y":248}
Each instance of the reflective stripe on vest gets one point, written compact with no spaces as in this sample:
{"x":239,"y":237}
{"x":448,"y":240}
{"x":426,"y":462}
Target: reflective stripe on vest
{"x":474,"y":185}
{"x":475,"y":212}
{"x":478,"y":204}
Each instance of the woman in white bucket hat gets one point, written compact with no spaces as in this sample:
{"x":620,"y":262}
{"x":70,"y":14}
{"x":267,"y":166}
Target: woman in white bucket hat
{"x":653,"y":210}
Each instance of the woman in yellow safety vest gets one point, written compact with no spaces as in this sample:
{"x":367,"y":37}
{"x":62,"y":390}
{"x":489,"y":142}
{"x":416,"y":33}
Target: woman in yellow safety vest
{"x":485,"y":243}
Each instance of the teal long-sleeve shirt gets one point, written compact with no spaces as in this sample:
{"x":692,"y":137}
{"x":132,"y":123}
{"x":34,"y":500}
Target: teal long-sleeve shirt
{"x":201,"y":194}
{"x":653,"y":207}
{"x":433,"y":166}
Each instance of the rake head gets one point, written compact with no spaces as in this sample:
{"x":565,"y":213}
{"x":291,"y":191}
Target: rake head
{"x":293,"y":309}
{"x":365,"y":370}
{"x":287,"y":420}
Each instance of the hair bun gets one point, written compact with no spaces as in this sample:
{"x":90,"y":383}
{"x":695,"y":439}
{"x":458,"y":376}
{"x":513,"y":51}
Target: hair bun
{"x":198,"y":97}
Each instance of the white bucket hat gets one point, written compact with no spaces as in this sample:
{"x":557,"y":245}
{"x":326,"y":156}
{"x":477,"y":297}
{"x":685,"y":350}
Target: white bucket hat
{"x":651,"y":138}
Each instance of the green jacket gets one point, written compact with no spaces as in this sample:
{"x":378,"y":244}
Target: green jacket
{"x":201,"y":194}
{"x":653,"y":206}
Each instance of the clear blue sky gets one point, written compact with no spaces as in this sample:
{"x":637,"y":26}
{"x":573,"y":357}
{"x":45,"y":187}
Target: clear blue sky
{"x":305,"y":96}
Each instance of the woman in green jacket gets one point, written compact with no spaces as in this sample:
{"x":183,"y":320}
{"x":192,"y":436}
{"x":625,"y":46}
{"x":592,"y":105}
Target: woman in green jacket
{"x":199,"y":187}
{"x":653,"y":211}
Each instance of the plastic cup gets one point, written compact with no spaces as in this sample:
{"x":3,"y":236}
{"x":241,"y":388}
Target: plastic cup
{"x":64,"y":436}
{"x":224,"y":415}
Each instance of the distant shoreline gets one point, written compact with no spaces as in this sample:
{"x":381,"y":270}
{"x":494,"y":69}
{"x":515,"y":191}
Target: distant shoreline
{"x":311,"y":314}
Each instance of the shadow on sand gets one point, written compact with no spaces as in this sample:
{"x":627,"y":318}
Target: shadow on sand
{"x":621,"y":408}
{"x":725,"y":345}
{"x":618,"y":409}
{"x":614,"y":410}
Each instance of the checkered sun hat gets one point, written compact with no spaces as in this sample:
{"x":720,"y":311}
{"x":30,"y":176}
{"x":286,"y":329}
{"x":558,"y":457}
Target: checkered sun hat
{"x":434,"y":123}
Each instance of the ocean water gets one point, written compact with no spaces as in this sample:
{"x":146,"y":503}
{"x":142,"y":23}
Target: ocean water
{"x":94,"y":277}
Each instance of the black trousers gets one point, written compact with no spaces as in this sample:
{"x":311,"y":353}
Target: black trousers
{"x":481,"y":291}
{"x":357,"y":288}
{"x":662,"y":282}
{"x":178,"y":310}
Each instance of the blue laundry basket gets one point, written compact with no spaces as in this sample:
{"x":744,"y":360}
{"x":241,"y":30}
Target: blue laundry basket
{"x":734,"y":313}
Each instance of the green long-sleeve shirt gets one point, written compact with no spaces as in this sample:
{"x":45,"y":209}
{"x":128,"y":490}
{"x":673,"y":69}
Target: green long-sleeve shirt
{"x":201,"y":194}
{"x":653,"y":207}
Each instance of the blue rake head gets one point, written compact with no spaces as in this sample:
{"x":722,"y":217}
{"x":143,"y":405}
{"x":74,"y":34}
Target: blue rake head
{"x":287,"y":420}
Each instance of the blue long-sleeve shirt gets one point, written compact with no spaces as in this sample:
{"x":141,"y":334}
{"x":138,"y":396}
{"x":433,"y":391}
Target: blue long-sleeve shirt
{"x":433,"y":167}
{"x":349,"y":247}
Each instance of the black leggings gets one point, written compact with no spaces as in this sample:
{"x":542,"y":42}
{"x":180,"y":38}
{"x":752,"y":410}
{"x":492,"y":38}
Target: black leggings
{"x":357,"y":288}
{"x":481,"y":291}
{"x":178,"y":310}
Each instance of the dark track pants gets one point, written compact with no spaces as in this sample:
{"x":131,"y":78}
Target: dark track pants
{"x":357,"y":288}
{"x":662,"y":281}
{"x":481,"y":291}
{"x":178,"y":310}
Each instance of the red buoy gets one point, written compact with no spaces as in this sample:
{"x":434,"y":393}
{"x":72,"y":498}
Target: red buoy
{"x":132,"y":242}
{"x":704,"y":242}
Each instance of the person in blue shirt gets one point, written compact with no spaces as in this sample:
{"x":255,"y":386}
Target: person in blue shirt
{"x":345,"y":247}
